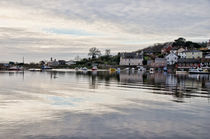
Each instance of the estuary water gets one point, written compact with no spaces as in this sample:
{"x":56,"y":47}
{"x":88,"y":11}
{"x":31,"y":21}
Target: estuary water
{"x":68,"y":104}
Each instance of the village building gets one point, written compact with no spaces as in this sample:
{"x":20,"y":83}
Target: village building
{"x":182,"y":54}
{"x":205,"y":62}
{"x":131,"y":59}
{"x":174,"y":50}
{"x":53,"y":63}
{"x":70,"y":62}
{"x":207,"y":56}
{"x":171,"y":59}
{"x":180,"y":50}
{"x":194,"y":54}
{"x":167,"y":48}
{"x":160,"y":62}
{"x":4,"y":66}
{"x":188,"y":63}
{"x":62,"y":62}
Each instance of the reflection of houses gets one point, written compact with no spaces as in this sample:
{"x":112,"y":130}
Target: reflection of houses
{"x":131,"y":59}
{"x":172,"y":58}
{"x":194,"y":54}
{"x":130,"y":78}
{"x":171,"y":80}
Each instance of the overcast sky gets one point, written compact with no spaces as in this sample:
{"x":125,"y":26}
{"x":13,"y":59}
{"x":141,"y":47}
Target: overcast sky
{"x":63,"y":29}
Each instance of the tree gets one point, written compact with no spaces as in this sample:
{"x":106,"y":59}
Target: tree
{"x":179,"y":42}
{"x":93,"y":52}
{"x":107,"y":52}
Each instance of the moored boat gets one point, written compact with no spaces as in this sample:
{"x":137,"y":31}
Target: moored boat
{"x":181,"y":71}
{"x":141,"y":69}
{"x":44,"y":67}
{"x":84,"y":68}
{"x":94,"y":68}
{"x":34,"y":69}
{"x":151,"y":70}
{"x":112,"y":69}
{"x":198,"y":71}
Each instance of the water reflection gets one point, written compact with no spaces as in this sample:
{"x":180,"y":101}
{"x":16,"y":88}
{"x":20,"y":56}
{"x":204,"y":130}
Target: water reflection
{"x":102,"y":104}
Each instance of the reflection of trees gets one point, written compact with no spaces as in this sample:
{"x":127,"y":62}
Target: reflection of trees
{"x":179,"y":86}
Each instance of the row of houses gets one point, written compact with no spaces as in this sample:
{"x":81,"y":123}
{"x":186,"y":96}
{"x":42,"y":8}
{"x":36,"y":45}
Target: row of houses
{"x":55,"y":63}
{"x":179,"y":56}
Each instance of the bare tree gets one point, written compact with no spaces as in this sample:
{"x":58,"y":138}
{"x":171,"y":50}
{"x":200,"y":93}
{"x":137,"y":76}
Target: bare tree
{"x":107,"y":52}
{"x":93,"y":52}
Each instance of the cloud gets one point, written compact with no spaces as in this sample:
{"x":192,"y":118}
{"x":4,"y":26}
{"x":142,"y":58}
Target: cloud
{"x":73,"y":26}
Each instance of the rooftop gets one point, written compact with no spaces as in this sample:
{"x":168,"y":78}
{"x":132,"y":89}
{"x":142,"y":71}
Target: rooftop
{"x":131,"y":55}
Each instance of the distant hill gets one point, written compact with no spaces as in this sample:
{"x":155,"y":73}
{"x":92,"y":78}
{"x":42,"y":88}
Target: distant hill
{"x":178,"y":43}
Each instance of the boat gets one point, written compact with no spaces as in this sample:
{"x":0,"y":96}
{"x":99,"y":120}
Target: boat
{"x":181,"y":71}
{"x":76,"y":68}
{"x":127,"y":69}
{"x":34,"y":69}
{"x":84,"y":68}
{"x":151,"y":70}
{"x":165,"y":69}
{"x":44,"y":67}
{"x":141,"y":69}
{"x":118,"y":69}
{"x":94,"y":68}
{"x":112,"y":69}
{"x":198,"y":71}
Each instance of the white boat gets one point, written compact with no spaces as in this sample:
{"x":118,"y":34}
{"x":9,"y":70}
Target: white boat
{"x":94,"y":68}
{"x":127,"y":69}
{"x":198,"y":71}
{"x":141,"y":69}
{"x":118,"y":69}
{"x":151,"y":70}
{"x":34,"y":69}
{"x":46,"y":67}
{"x":84,"y":68}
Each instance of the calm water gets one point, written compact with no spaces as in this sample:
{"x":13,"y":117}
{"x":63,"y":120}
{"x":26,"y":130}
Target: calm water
{"x":68,"y":104}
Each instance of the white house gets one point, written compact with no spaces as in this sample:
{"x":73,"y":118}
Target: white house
{"x":71,"y":62}
{"x":53,"y":63}
{"x":131,"y":59}
{"x":171,"y":59}
{"x":194,"y":54}
{"x":182,"y":54}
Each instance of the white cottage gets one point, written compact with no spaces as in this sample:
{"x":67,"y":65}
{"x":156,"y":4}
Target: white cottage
{"x":131,"y":59}
{"x":171,"y":59}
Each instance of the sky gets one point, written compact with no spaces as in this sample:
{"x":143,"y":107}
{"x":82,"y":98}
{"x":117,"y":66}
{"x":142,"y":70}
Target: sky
{"x":63,"y":29}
